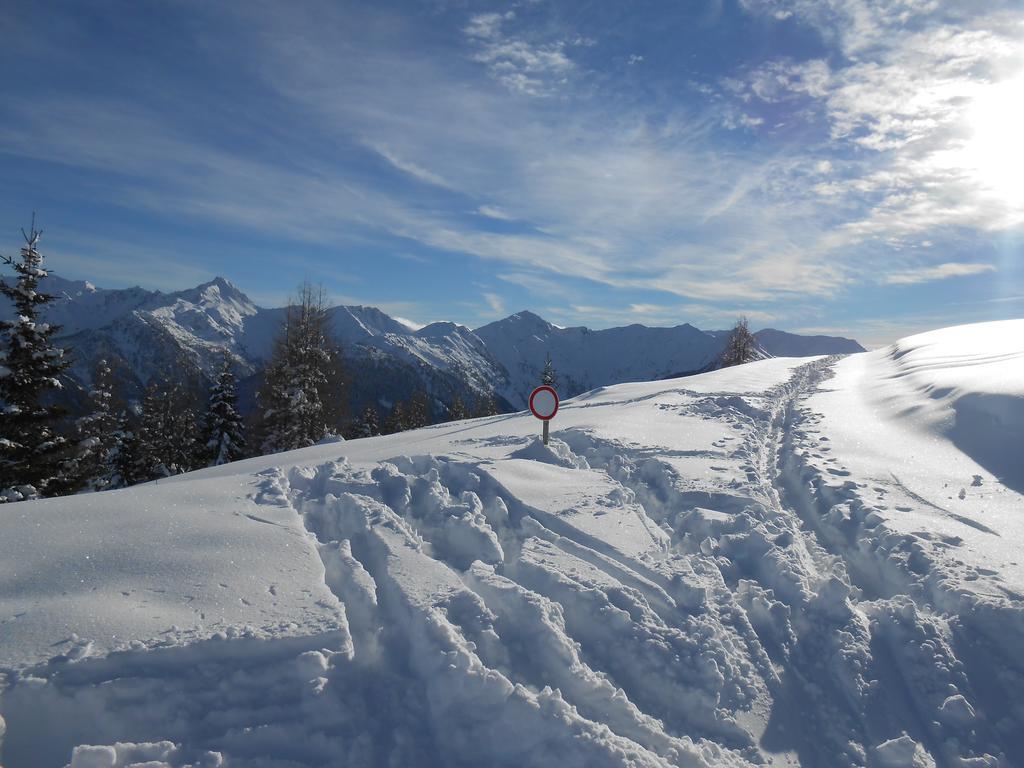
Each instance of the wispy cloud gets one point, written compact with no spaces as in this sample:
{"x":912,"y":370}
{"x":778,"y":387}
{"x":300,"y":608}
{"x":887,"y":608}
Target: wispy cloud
{"x":493,"y":212}
{"x":938,"y":272}
{"x":495,"y":302}
{"x":507,"y":144}
{"x":406,"y":166}
{"x":912,"y":77}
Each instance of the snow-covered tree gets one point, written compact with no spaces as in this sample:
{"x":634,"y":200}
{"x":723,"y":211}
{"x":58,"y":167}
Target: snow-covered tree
{"x":32,"y":454}
{"x":458,"y":410}
{"x":369,"y":423}
{"x":417,"y":411}
{"x":167,"y":442}
{"x":547,"y":376}
{"x":125,"y":459}
{"x":741,"y":346}
{"x":485,"y":406}
{"x":396,"y":421}
{"x":223,"y":433}
{"x":98,"y":434}
{"x":302,"y":397}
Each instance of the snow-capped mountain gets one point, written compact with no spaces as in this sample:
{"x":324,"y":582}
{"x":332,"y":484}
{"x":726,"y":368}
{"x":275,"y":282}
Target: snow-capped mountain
{"x":150,"y":335}
{"x":584,"y":359}
{"x":782,"y":344}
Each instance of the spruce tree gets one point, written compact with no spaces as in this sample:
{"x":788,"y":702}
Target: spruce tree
{"x":167,"y":442}
{"x":125,"y":459}
{"x":98,"y":434}
{"x":369,"y":423}
{"x":417,"y":412}
{"x":395,"y":421}
{"x":458,"y":410}
{"x":31,"y":452}
{"x":303,"y":393}
{"x":547,"y":376}
{"x":485,"y":406}
{"x":223,"y":434}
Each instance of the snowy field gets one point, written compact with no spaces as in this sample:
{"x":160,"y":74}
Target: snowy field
{"x":813,"y":563}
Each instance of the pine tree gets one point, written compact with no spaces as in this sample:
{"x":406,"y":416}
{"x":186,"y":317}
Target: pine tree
{"x":458,"y":410}
{"x":98,"y":434}
{"x":395,"y":421}
{"x":369,"y":423}
{"x":302,"y":397}
{"x":547,"y":376}
{"x":740,"y":347}
{"x":125,"y":459}
{"x":417,"y":411}
{"x":223,"y":437}
{"x":485,"y":406}
{"x":166,"y":438}
{"x":31,"y":453}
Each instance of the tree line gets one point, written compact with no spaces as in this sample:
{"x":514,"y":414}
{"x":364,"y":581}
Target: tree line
{"x":301,"y":402}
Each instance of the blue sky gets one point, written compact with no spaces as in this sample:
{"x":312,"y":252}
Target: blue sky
{"x":847,"y":166}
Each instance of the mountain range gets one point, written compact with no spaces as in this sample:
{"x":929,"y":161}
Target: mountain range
{"x":149,"y":335}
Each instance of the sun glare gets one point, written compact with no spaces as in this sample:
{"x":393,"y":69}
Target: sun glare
{"x":994,"y":153}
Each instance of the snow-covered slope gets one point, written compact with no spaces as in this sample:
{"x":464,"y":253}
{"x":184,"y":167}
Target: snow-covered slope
{"x":585,"y":359}
{"x":753,"y":566}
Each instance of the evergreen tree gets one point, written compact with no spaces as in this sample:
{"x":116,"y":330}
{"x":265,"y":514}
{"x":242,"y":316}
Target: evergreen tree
{"x":125,"y":459}
{"x":547,"y":376}
{"x":417,"y":411}
{"x":223,"y":438}
{"x":485,"y":406}
{"x":302,"y":397}
{"x":31,"y":453}
{"x":741,"y":346}
{"x":458,"y":410}
{"x":395,"y":421}
{"x":369,"y":423}
{"x":98,"y":434}
{"x":166,"y":438}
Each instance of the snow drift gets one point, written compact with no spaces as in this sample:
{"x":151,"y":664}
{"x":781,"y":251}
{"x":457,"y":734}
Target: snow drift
{"x":787,"y":563}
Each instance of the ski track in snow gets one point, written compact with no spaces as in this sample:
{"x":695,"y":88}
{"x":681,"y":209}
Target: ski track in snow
{"x":769,"y":618}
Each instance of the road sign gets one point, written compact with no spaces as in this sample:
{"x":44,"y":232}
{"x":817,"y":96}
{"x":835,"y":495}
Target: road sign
{"x":544,"y":402}
{"x":544,"y":405}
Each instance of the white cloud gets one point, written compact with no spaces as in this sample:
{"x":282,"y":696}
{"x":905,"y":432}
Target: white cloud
{"x":494,"y":212}
{"x":495,"y":302}
{"x":487,"y":26}
{"x":903,"y":103}
{"x":407,"y":166}
{"x":606,"y":192}
{"x":523,"y":66}
{"x":938,"y":272}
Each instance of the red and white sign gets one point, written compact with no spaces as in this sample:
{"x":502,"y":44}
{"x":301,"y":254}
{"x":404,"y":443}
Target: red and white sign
{"x":544,"y":402}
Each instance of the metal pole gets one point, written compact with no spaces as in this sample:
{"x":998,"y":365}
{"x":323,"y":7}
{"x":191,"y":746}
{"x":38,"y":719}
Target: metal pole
{"x":546,"y":426}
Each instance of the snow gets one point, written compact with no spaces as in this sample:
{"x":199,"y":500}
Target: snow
{"x":930,"y":431}
{"x":151,"y":565}
{"x":765,"y":565}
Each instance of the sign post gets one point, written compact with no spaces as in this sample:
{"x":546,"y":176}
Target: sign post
{"x":544,"y":405}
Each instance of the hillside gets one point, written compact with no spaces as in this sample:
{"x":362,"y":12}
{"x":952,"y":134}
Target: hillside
{"x":792,"y":563}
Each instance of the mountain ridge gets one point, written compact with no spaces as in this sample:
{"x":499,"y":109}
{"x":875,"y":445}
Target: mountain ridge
{"x":152,"y":334}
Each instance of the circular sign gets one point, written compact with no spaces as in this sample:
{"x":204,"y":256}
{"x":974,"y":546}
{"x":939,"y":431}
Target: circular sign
{"x":544,"y":402}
